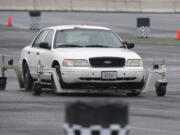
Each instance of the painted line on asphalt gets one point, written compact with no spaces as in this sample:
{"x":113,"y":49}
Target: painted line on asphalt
{"x":155,"y":130}
{"x":156,"y":110}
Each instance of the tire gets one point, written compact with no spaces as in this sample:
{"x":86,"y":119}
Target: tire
{"x":37,"y":90}
{"x":63,"y":85}
{"x":3,"y":82}
{"x":28,"y":81}
{"x":161,"y":90}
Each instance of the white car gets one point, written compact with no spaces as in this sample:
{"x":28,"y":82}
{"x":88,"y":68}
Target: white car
{"x":83,"y":55}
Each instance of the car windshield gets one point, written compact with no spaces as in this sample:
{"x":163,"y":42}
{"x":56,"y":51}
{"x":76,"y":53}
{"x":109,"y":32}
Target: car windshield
{"x":86,"y":38}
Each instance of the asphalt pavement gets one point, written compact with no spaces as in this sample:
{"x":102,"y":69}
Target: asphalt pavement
{"x":24,"y":114}
{"x":162,"y":25}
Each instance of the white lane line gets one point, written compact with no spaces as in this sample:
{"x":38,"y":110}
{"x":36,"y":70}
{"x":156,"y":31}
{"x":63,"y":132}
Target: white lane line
{"x":155,"y":110}
{"x":174,"y":96}
{"x":155,"y":130}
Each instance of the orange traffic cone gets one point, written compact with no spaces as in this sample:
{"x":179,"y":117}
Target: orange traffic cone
{"x":9,"y":21}
{"x":178,"y":35}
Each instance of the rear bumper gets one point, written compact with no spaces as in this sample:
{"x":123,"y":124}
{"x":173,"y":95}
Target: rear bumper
{"x":94,"y":75}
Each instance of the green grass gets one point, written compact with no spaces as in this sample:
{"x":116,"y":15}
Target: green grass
{"x":166,"y":41}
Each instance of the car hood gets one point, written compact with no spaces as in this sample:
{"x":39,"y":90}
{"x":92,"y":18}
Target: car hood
{"x":85,"y":53}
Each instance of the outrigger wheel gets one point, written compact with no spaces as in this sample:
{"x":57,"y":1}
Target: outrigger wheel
{"x":161,"y":88}
{"x":37,"y":89}
{"x":3,"y":81}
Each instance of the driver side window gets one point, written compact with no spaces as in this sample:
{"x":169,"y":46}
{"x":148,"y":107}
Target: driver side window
{"x":40,"y":38}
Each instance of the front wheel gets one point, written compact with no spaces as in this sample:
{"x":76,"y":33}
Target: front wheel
{"x":63,"y":85}
{"x":28,"y":81}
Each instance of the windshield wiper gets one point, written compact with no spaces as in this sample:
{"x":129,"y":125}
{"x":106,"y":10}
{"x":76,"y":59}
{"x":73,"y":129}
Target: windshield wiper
{"x":68,"y":45}
{"x":96,"y":46}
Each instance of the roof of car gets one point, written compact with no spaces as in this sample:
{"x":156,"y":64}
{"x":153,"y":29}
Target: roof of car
{"x":62,"y":27}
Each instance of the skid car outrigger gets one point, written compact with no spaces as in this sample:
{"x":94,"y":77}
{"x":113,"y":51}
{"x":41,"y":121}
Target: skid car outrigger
{"x":5,"y":67}
{"x":160,"y":85}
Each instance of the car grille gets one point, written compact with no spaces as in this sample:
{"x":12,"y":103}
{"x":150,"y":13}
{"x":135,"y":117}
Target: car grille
{"x":107,"y":62}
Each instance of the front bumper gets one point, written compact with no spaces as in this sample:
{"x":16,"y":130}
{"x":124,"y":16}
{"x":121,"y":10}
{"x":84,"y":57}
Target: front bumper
{"x":94,"y":75}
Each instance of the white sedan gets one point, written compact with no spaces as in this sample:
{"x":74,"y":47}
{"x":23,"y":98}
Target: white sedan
{"x":83,"y":56}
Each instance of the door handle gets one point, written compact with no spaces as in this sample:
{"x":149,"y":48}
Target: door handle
{"x":29,"y":52}
{"x":37,"y":53}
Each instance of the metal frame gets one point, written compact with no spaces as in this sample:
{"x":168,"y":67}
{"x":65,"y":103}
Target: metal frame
{"x":5,"y":67}
{"x":148,"y":74}
{"x":161,"y":70}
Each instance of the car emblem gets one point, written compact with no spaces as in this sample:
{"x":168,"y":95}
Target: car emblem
{"x":107,"y":62}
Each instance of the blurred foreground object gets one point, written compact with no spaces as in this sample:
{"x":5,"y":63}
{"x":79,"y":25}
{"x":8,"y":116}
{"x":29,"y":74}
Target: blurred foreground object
{"x":96,"y":118}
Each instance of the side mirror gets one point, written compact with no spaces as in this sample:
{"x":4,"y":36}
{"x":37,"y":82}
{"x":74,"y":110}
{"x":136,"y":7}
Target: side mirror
{"x":44,"y":45}
{"x":128,"y":45}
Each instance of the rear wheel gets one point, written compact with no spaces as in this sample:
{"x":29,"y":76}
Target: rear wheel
{"x":28,"y":81}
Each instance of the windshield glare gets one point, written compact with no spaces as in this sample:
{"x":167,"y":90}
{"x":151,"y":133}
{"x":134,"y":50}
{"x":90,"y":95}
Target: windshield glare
{"x":87,"y":38}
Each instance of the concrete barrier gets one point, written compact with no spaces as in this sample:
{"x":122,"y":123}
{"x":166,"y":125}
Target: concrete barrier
{"x":170,"y":6}
{"x":89,"y":5}
{"x":158,"y":5}
{"x":35,"y":5}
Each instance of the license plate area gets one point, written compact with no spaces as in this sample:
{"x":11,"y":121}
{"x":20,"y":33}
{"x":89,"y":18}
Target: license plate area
{"x":109,"y":75}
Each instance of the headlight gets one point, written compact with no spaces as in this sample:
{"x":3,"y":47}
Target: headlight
{"x":75,"y":63}
{"x":134,"y":63}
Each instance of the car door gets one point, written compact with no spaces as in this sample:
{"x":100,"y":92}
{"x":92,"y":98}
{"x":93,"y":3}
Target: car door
{"x":35,"y":53}
{"x":46,"y":55}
